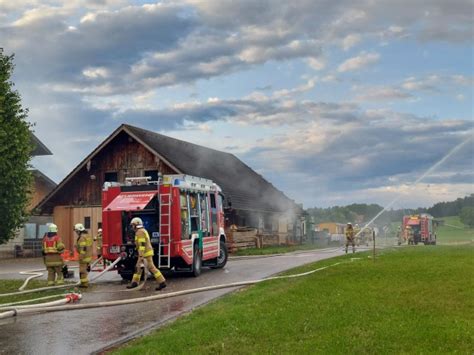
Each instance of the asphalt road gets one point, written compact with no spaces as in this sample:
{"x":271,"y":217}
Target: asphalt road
{"x":92,"y":330}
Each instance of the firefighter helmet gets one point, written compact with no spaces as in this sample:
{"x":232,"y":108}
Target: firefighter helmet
{"x":349,"y":223}
{"x":79,"y":227}
{"x":52,"y":228}
{"x":137,"y":221}
{"x":99,"y":230}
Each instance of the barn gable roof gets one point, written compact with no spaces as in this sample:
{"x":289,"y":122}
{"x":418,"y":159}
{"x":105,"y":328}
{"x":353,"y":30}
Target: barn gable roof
{"x":242,"y":186}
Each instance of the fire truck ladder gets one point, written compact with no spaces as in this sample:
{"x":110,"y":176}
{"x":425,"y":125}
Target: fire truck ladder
{"x":164,"y":250}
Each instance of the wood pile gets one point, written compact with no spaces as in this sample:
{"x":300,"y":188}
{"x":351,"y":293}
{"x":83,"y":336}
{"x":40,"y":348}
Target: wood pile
{"x":241,"y":238}
{"x":245,"y":238}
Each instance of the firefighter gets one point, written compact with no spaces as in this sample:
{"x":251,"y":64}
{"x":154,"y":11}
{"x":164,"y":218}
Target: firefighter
{"x":98,"y":242}
{"x":84,"y":248}
{"x":399,"y":235}
{"x":357,"y":235}
{"x":145,"y":253}
{"x":52,"y":249}
{"x":409,"y":235}
{"x":350,"y":237}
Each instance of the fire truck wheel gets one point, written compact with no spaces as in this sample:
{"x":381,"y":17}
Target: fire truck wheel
{"x":197,"y":262}
{"x":222,"y":258}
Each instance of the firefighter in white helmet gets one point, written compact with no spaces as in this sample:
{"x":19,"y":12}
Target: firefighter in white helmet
{"x":350,"y":237}
{"x":145,"y":252}
{"x":98,"y":242}
{"x":52,"y":249}
{"x":84,"y":248}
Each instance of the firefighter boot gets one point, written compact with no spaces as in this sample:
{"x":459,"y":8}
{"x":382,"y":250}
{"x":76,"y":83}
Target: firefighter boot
{"x":132,"y":285}
{"x":161,"y":286}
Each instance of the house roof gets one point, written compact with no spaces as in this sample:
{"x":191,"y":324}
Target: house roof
{"x":38,"y":147}
{"x":242,"y":186}
{"x":41,"y":176}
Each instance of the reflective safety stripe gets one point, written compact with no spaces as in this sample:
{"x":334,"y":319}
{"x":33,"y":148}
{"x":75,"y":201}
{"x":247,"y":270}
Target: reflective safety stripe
{"x":85,"y":280}
{"x":82,"y":244}
{"x":85,"y":260}
{"x":148,"y":253}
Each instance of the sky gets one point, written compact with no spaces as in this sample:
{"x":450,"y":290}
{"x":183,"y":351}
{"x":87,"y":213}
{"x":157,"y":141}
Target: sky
{"x":333,"y":102}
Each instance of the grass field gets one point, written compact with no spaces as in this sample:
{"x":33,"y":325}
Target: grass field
{"x":410,"y":300}
{"x":454,"y":231}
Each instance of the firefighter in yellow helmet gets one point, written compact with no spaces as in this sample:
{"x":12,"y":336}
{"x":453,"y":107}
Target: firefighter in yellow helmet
{"x":145,"y":252}
{"x":52,"y":249}
{"x":350,"y":237}
{"x":84,"y":249}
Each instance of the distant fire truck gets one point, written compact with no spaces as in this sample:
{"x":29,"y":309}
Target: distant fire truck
{"x":422,"y":227}
{"x":183,"y":215}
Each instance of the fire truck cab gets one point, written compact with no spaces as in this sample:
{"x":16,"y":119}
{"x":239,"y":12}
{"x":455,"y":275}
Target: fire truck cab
{"x":422,"y":227}
{"x":183,"y":215}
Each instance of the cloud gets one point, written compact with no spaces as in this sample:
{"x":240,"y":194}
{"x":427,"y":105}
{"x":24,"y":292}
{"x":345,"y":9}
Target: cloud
{"x":426,"y":84}
{"x":350,"y":41}
{"x":374,"y":94}
{"x":358,"y":62}
{"x":144,"y":47}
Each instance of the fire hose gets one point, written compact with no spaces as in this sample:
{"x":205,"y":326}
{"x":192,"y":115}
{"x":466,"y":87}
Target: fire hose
{"x":42,"y":309}
{"x":37,"y":273}
{"x":13,"y":311}
{"x":55,"y":287}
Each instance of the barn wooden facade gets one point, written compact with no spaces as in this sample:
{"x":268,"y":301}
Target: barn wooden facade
{"x":130,"y":152}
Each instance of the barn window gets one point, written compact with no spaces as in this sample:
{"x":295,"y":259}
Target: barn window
{"x":87,"y":222}
{"x":111,"y":176}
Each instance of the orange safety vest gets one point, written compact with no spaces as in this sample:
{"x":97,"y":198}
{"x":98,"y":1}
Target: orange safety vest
{"x":52,"y":245}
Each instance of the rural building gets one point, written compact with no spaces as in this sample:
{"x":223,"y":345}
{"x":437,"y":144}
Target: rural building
{"x":331,"y":227}
{"x":130,"y":151}
{"x":28,"y":238}
{"x":335,"y":231}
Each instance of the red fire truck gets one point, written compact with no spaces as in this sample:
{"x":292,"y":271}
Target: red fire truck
{"x":183,"y":215}
{"x":422,"y":227}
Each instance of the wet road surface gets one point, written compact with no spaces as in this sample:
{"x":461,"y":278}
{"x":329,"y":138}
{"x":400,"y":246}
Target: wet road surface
{"x":91,"y":330}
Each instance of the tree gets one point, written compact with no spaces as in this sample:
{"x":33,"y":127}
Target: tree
{"x":15,"y":154}
{"x":467,"y":216}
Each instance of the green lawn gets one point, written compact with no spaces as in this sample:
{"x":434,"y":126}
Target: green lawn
{"x":454,"y":231}
{"x":415,"y":299}
{"x":275,"y":249}
{"x":7,"y":286}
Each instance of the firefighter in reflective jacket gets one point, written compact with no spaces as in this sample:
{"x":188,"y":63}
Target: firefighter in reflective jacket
{"x":52,"y":249}
{"x":98,"y":242}
{"x":409,"y":235}
{"x":357,"y":235}
{"x":350,"y":239}
{"x":145,"y":253}
{"x":84,"y":249}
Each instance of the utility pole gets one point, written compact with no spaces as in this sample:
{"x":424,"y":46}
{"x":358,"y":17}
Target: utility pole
{"x":373,"y":239}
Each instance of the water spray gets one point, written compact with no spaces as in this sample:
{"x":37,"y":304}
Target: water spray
{"x":425,"y":174}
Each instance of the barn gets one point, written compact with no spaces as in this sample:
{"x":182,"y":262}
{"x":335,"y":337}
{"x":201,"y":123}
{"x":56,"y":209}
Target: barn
{"x":129,"y":151}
